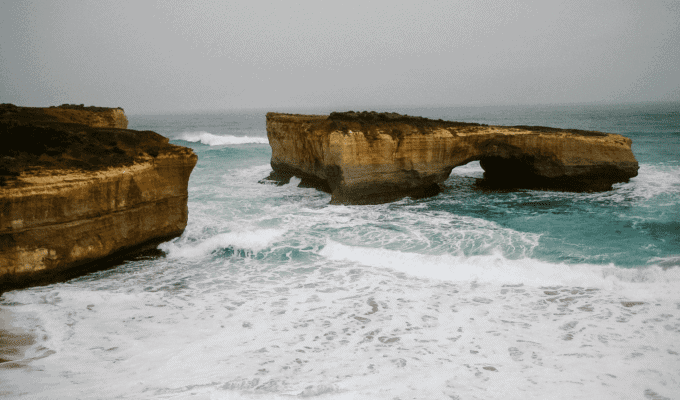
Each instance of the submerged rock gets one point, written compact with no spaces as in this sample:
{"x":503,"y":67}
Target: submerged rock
{"x":370,"y":157}
{"x":76,"y":187}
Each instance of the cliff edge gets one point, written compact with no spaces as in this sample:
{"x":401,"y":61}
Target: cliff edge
{"x":373,"y":157}
{"x":75,"y":187}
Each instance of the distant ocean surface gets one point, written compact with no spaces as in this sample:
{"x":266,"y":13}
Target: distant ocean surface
{"x":272,"y":293}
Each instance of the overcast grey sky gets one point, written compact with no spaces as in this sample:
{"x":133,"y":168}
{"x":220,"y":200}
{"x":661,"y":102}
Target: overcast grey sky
{"x":208,"y":55}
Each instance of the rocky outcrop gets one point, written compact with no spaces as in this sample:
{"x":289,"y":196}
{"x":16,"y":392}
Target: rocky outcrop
{"x":71,"y":193}
{"x":96,"y":117}
{"x":378,"y":157}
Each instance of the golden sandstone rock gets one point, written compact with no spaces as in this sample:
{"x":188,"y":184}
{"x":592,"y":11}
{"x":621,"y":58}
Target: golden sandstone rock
{"x":96,"y":117}
{"x":71,"y":193}
{"x":377,"y":157}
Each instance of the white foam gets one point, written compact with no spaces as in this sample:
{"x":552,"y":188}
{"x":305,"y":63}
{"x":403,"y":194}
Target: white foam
{"x":338,"y":333}
{"x":648,"y":282}
{"x":429,"y":232}
{"x":654,"y":180}
{"x":471,"y":169}
{"x":220,"y":140}
{"x":666,"y":262}
{"x":254,"y":241}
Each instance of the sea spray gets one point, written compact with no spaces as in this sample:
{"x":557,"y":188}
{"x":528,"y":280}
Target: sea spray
{"x":219,"y":140}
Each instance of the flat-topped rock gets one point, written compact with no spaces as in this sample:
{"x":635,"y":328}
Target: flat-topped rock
{"x":96,"y":117}
{"x":376,"y":157}
{"x":72,"y":193}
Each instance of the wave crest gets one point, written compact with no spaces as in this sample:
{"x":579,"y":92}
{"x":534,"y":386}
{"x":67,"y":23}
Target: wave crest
{"x":220,"y":140}
{"x":649,"y":281}
{"x":250,"y":241}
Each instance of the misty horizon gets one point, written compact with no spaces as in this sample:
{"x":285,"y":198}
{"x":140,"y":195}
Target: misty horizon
{"x":152,"y":58}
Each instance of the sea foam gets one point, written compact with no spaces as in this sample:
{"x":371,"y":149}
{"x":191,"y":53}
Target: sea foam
{"x":644,"y":282}
{"x":250,"y":241}
{"x":220,"y":140}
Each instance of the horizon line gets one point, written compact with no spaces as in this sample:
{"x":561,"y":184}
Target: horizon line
{"x":345,"y":107}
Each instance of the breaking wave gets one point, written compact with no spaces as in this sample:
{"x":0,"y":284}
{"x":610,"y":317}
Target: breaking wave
{"x":251,"y":241}
{"x":220,"y":140}
{"x":495,"y":268}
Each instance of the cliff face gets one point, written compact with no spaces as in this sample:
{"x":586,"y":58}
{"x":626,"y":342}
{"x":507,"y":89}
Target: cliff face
{"x":369,"y":157}
{"x":71,"y":193}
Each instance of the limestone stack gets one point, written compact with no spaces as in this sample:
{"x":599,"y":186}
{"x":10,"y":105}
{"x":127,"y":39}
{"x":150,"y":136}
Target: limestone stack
{"x":375,"y":157}
{"x":75,"y":187}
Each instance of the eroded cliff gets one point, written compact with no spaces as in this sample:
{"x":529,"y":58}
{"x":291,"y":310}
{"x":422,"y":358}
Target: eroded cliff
{"x":72,"y":193}
{"x":376,"y":157}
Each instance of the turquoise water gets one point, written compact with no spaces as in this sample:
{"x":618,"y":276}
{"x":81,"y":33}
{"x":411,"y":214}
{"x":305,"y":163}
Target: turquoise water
{"x":629,"y":226}
{"x":472,"y":294}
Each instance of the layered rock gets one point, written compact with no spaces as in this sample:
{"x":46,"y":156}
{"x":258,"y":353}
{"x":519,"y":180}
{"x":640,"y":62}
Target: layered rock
{"x":372,"y":157}
{"x":71,"y":193}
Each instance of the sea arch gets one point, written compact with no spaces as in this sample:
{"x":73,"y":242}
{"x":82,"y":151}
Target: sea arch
{"x":376,"y":157}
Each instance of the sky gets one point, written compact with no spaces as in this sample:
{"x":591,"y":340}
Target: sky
{"x":183,"y":56}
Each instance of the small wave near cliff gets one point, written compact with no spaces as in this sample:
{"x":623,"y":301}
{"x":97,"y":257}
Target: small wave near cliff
{"x":249,"y":241}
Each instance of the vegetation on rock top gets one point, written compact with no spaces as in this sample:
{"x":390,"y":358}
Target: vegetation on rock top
{"x":368,"y":120}
{"x":32,"y":140}
{"x":372,"y":117}
{"x":82,"y":107}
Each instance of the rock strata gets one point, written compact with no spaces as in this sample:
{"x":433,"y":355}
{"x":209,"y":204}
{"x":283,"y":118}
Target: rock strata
{"x":72,"y":193}
{"x":373,"y":157}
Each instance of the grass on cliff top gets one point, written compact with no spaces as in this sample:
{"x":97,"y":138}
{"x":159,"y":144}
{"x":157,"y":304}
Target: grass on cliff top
{"x":374,"y":118}
{"x":82,"y":107}
{"x":32,"y":140}
{"x":368,"y":120}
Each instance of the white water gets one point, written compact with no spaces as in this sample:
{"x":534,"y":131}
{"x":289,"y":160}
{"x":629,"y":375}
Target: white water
{"x":272,"y":293}
{"x":349,"y":331}
{"x":337,"y":302}
{"x":219,"y":140}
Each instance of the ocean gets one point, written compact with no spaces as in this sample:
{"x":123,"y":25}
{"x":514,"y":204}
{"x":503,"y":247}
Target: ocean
{"x":272,"y":293}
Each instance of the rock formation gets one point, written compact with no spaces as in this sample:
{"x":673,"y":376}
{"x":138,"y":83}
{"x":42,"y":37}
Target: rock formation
{"x":96,"y":117}
{"x":71,"y":193}
{"x":376,"y":157}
